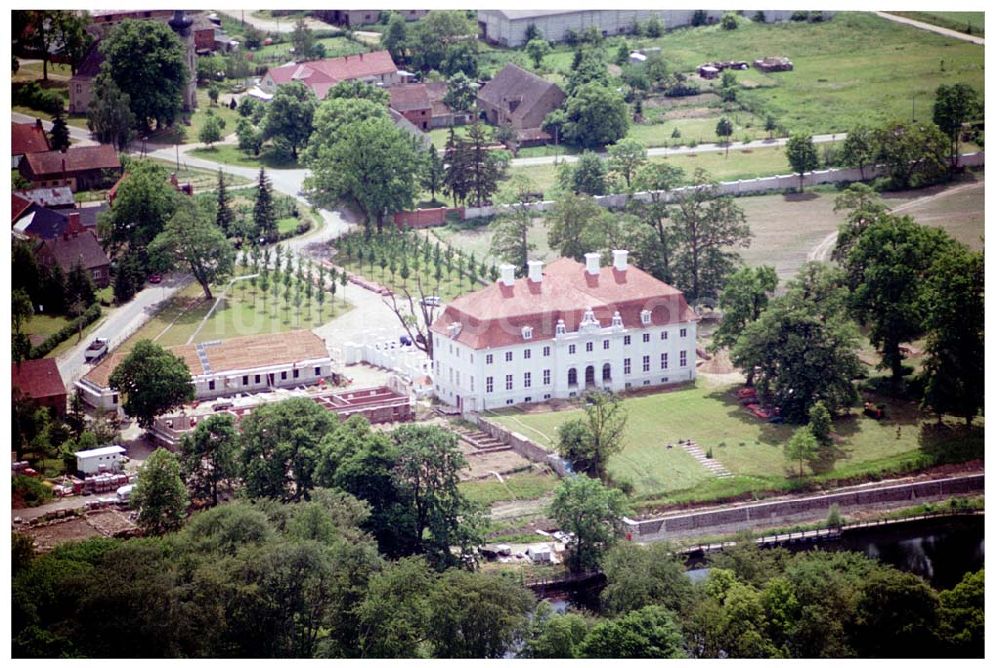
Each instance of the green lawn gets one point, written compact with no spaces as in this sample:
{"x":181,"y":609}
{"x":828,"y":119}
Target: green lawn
{"x":518,"y":487}
{"x":230,"y":154}
{"x":242,"y":312}
{"x":973,"y":23}
{"x":856,"y":68}
{"x":749,"y":448}
{"x":201,"y":179}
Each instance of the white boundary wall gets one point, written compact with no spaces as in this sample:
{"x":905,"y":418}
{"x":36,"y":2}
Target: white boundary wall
{"x":742,"y":187}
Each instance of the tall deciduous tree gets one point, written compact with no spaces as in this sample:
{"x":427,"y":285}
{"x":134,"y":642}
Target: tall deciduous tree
{"x":146,"y":61}
{"x":915,"y":154}
{"x":461,"y":92}
{"x":153,"y":380}
{"x":192,"y":239}
{"x":143,"y":204}
{"x":649,"y":633}
{"x":289,"y":119}
{"x":208,"y":457}
{"x":863,"y":206}
{"x":743,"y":298}
{"x":859,"y":147}
{"x":626,"y":157}
{"x":886,"y":270}
{"x":21,"y":311}
{"x":953,"y":301}
{"x":724,"y":130}
{"x":658,"y":179}
{"x":571,"y":225}
{"x":510,"y":229}
{"x":641,"y":575}
{"x":588,"y":175}
{"x":707,"y":226}
{"x":394,"y":38}
{"x":537,"y":49}
{"x":954,"y":106}
{"x":159,"y":494}
{"x":596,"y":115}
{"x":802,"y":156}
{"x":434,"y":512}
{"x":593,"y":514}
{"x":801,"y":350}
{"x":281,"y":448}
{"x":801,"y":447}
{"x":371,"y":164}
{"x":303,"y":41}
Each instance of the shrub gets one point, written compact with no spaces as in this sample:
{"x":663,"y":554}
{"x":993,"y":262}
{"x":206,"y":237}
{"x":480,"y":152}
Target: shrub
{"x":833,"y":518}
{"x":28,"y":492}
{"x":34,"y":96}
{"x":799,"y":16}
{"x":729,"y":22}
{"x":49,"y":344}
{"x":699,"y":18}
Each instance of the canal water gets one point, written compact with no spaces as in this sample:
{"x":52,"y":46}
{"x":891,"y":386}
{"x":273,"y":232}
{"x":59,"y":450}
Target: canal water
{"x":941,"y":550}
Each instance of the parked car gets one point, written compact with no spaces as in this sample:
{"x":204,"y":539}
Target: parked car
{"x":97,"y":349}
{"x":431,"y":300}
{"x":155,"y":278}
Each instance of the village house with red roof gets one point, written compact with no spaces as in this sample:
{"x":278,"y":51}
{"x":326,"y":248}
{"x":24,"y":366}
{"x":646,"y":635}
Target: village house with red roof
{"x":26,"y":138}
{"x":322,"y":75}
{"x":561,"y":331}
{"x":79,"y":167}
{"x":40,"y":381}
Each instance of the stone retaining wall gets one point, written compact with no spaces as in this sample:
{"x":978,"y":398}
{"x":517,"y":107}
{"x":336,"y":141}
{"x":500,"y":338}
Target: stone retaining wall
{"x":770,"y":511}
{"x":522,"y":445}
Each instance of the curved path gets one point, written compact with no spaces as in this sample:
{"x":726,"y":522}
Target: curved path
{"x":981,"y":41}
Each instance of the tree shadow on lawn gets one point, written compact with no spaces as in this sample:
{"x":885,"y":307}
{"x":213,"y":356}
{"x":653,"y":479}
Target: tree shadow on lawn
{"x":800,"y":197}
{"x":951,"y":442}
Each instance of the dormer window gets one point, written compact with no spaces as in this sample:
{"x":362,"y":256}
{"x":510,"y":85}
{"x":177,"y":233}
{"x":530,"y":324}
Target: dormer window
{"x":454,"y":329}
{"x":560,"y":327}
{"x":526,"y":333}
{"x":646,"y":316}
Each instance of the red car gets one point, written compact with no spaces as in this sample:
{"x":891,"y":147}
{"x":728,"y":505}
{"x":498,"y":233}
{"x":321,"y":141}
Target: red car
{"x":155,"y":278}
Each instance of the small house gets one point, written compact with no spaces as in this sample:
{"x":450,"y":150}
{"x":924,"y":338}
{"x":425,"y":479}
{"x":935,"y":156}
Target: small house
{"x":519,"y":99}
{"x":27,"y":138}
{"x":708,"y":72}
{"x":79,"y":167}
{"x":100,"y":460}
{"x":40,"y":381}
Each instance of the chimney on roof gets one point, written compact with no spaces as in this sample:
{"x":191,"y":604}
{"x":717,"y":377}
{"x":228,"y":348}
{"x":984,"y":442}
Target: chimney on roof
{"x":535,"y":271}
{"x":620,"y":259}
{"x":593,"y":263}
{"x":507,"y":274}
{"x":74,"y":222}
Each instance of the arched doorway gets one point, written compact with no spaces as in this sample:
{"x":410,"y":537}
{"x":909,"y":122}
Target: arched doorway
{"x":606,"y":373}
{"x":588,"y":376}
{"x":571,"y":379}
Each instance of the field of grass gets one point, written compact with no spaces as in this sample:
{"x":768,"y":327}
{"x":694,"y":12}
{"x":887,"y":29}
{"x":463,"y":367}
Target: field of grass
{"x":751,"y":449}
{"x":230,"y":154}
{"x":243,"y":311}
{"x":973,"y":23}
{"x":855,"y":68}
{"x":518,"y":487}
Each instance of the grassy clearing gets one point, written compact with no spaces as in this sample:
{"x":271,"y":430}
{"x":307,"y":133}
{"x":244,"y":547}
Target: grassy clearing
{"x":973,"y":23}
{"x":243,"y":311}
{"x":855,"y":68}
{"x":230,"y":154}
{"x":751,"y":449}
{"x":201,"y":179}
{"x":518,"y":487}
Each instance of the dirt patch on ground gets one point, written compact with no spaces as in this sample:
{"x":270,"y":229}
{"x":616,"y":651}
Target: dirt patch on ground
{"x":718,"y":363}
{"x":484,"y":465}
{"x":700,"y":100}
{"x":108,"y":523}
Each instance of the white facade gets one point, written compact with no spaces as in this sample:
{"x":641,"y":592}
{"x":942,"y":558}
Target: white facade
{"x":89,"y":462}
{"x":599,"y":355}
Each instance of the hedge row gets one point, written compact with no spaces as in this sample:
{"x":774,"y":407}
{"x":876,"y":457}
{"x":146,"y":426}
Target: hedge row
{"x":49,"y":344}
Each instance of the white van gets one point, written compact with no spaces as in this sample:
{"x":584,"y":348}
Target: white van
{"x":124,"y":493}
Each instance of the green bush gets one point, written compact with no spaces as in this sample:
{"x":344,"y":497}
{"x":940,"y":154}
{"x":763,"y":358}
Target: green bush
{"x":49,"y":344}
{"x":34,"y":96}
{"x":28,"y":492}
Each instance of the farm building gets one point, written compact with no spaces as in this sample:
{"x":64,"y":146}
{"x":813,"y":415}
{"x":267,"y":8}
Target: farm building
{"x":773,"y":64}
{"x":562,"y":331}
{"x":520,"y":99}
{"x":506,"y":27}
{"x":26,"y":138}
{"x":40,"y":381}
{"x":359,"y":17}
{"x":99,"y":460}
{"x":78,"y":168}
{"x":240,"y":365}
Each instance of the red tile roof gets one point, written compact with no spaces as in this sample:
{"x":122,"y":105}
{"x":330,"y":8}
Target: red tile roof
{"x":27,"y":138}
{"x":408,"y":97}
{"x":76,"y":159}
{"x":18,"y":205}
{"x":38,"y":378}
{"x":494,"y":316}
{"x":82,"y":248}
{"x":321,"y":75}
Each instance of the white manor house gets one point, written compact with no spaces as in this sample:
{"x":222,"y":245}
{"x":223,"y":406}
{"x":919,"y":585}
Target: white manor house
{"x":562,"y":331}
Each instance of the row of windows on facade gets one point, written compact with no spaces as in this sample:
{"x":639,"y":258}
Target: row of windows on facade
{"x":547,"y":350}
{"x":317,"y":371}
{"x":455,"y":378}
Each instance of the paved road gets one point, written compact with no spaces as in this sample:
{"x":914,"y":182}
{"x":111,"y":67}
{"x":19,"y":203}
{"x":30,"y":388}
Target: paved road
{"x":283,"y":24}
{"x":119,"y":323}
{"x":682,"y":150}
{"x":933,"y":28}
{"x":81,"y":135}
